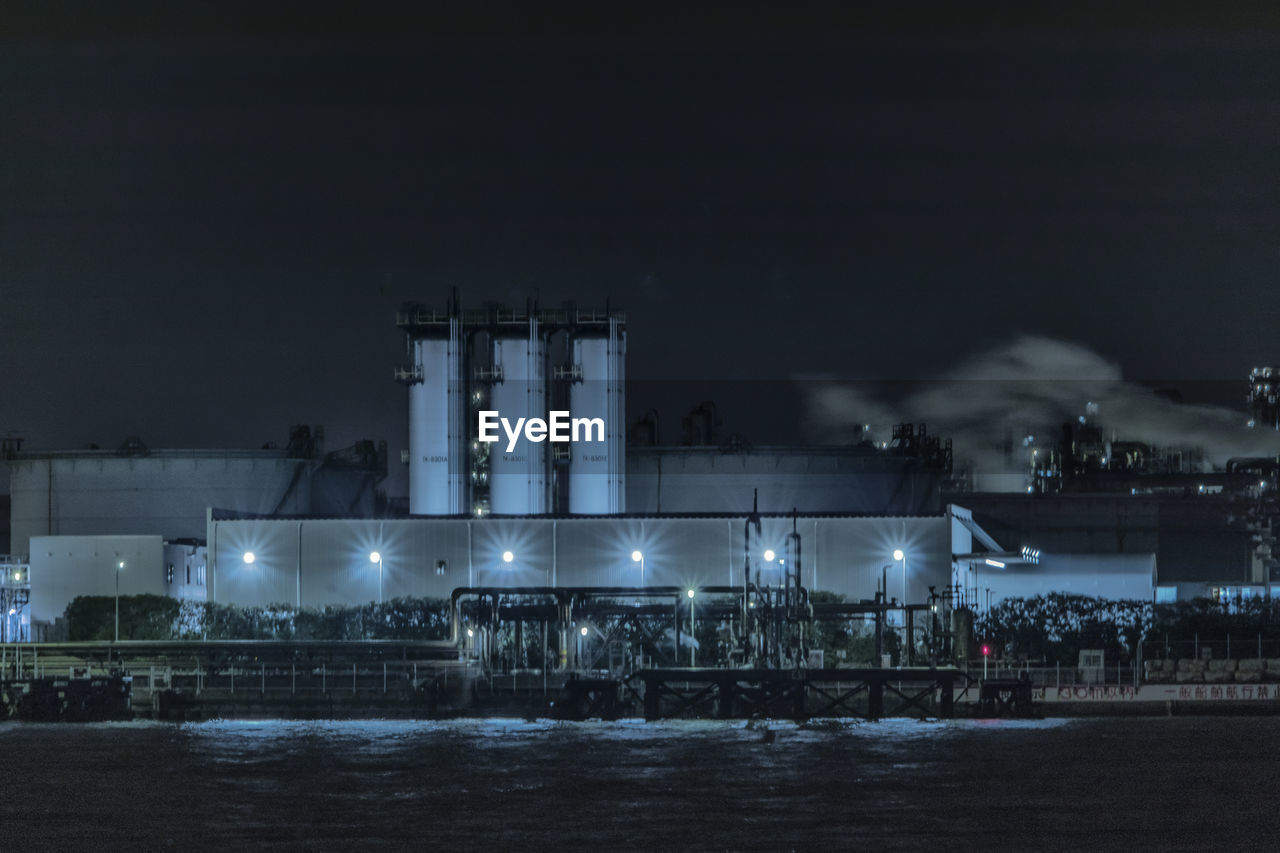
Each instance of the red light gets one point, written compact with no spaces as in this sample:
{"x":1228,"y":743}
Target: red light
{"x":986,"y":650}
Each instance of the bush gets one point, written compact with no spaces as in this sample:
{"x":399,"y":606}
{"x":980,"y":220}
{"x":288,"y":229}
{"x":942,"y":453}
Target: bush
{"x":1057,"y":626}
{"x":157,"y":617}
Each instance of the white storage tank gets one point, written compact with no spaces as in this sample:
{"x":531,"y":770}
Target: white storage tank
{"x":597,"y":469}
{"x":518,"y":478}
{"x":437,"y":423}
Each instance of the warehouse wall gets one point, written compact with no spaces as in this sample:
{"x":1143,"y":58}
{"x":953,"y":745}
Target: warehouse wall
{"x":326,"y":561}
{"x":63,"y":567}
{"x":1115,"y":576}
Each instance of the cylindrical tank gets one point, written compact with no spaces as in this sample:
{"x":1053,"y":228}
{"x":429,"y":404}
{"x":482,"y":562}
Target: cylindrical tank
{"x":518,"y":478}
{"x":437,"y":428}
{"x":597,"y":468}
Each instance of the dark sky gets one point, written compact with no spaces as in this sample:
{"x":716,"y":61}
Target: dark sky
{"x":205,"y":236}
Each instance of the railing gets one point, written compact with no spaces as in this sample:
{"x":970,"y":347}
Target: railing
{"x":409,"y":374}
{"x":1057,"y":676}
{"x":1210,"y":646}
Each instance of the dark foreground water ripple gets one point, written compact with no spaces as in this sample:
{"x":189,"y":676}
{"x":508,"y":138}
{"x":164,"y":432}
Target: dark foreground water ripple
{"x":474,"y":785}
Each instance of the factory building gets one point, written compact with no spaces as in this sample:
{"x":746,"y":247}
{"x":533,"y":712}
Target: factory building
{"x":574,"y":513}
{"x":314,"y":562}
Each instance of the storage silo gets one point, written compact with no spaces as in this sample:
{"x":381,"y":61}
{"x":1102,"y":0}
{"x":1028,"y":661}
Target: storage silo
{"x":437,"y":415}
{"x":518,"y":478}
{"x":597,"y":469}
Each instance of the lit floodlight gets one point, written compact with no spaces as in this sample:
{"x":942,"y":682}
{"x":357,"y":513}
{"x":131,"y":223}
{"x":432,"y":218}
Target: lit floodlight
{"x":248,"y":558}
{"x":507,"y":556}
{"x":121,"y":565}
{"x":470,"y":633}
{"x":898,"y":555}
{"x":636,"y":556}
{"x":583,"y":630}
{"x":690,"y":593}
{"x":769,"y":555}
{"x":996,"y":563}
{"x":375,"y":557}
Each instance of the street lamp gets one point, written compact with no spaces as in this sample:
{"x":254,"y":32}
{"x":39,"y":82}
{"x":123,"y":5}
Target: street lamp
{"x":638,"y":557}
{"x":898,"y":554}
{"x":507,"y":556}
{"x":119,"y":569}
{"x":769,"y":555}
{"x":692,"y":648}
{"x":375,"y":557}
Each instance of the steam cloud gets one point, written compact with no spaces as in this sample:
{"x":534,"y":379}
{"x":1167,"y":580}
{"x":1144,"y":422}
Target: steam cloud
{"x":1031,"y":387}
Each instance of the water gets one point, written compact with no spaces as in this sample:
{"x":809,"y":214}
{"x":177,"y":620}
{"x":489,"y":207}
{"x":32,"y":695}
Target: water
{"x":470,"y":785}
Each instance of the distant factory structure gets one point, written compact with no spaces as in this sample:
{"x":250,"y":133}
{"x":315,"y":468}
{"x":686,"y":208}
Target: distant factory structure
{"x":1212,"y":527}
{"x":136,"y":490}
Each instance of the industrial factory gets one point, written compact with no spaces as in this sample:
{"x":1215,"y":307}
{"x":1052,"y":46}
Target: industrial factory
{"x":524,"y":471}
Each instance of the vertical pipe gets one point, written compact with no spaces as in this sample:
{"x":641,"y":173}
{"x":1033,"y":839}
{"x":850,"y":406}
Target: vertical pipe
{"x":729,"y":525}
{"x":299,"y":566}
{"x":675,"y":658}
{"x":470,"y":574}
{"x":213,"y":563}
{"x":815,"y":553}
{"x":555,"y":539}
{"x":910,"y":638}
{"x":692,"y":647}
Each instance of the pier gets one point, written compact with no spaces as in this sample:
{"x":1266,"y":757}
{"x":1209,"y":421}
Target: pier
{"x":800,"y":694}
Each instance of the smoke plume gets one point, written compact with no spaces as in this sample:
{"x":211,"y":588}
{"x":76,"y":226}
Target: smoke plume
{"x":991,"y":404}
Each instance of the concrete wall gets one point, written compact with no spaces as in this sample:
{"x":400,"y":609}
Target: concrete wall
{"x":318,"y":562}
{"x":63,"y":567}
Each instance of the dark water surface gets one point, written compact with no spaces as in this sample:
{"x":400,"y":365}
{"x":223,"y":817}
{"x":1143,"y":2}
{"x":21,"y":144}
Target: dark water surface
{"x":474,"y":785}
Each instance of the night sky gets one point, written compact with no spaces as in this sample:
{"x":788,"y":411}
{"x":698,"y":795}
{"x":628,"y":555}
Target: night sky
{"x":206,"y":232}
